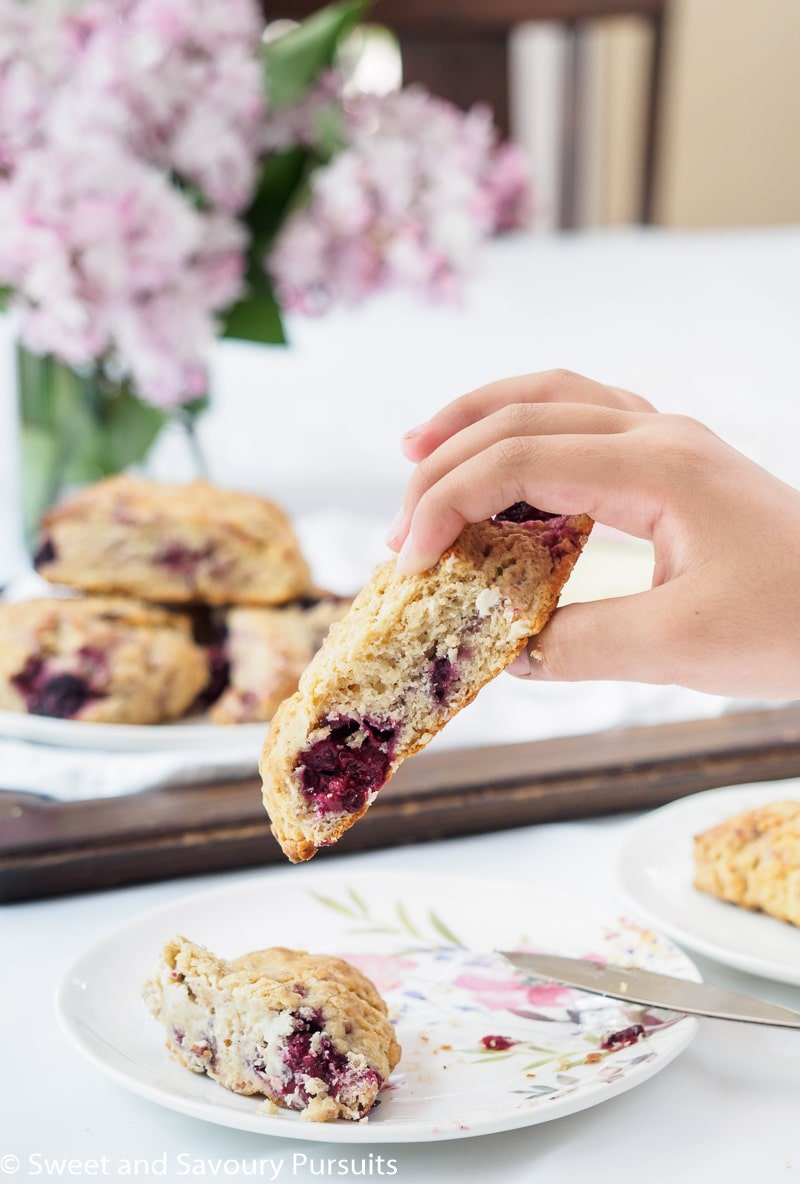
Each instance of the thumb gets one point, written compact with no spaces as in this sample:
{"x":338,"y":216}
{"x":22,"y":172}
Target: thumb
{"x":630,"y":638}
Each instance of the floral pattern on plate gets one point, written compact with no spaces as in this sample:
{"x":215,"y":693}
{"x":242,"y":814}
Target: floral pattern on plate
{"x":484,"y":1050}
{"x":555,"y":1037}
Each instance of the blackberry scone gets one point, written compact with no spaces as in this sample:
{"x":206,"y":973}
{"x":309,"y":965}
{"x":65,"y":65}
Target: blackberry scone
{"x":753,"y":860}
{"x":267,"y":649}
{"x":172,"y":544}
{"x":308,"y":1032}
{"x":412,"y":651}
{"x":101,"y":659}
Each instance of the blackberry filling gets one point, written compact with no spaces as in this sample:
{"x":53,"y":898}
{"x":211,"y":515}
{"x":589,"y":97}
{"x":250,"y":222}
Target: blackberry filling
{"x":340,"y":772}
{"x":497,"y":1043}
{"x":219,"y":673}
{"x":559,"y":538}
{"x":46,"y":553}
{"x":61,"y":697}
{"x":522,"y":512}
{"x":310,"y":1053}
{"x":623,"y":1038}
{"x":442,"y":676}
{"x":180,"y":559}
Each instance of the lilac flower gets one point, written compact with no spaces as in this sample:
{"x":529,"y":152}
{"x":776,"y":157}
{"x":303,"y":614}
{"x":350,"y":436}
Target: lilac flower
{"x":101,"y":107}
{"x":132,"y":134}
{"x":408,"y":202}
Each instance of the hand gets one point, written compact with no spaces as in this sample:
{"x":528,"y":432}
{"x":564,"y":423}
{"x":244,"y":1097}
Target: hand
{"x":723,"y":614}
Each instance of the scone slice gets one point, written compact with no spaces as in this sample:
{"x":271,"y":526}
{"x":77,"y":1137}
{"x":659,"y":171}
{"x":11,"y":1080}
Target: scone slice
{"x":308,"y":1032}
{"x":753,"y":860}
{"x":98,"y":659}
{"x":412,"y":651}
{"x":174,"y":544}
{"x":266,"y":650}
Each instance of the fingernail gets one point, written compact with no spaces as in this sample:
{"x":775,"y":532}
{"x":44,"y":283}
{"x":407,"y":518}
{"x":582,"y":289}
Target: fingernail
{"x":394,"y":529}
{"x":415,"y":431}
{"x":405,"y":556}
{"x":409,"y":560}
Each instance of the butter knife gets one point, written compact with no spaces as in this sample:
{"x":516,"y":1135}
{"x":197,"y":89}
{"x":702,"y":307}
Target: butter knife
{"x":652,"y":990}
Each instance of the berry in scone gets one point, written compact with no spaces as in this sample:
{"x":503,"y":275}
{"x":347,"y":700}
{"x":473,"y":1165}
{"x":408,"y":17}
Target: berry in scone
{"x":173,"y":544}
{"x":412,"y":651}
{"x":308,"y":1032}
{"x":101,"y":659}
{"x":753,"y":860}
{"x":267,"y":649}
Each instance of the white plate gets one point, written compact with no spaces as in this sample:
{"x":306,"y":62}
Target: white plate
{"x":242,"y":740}
{"x":655,"y":873}
{"x":404,"y":931}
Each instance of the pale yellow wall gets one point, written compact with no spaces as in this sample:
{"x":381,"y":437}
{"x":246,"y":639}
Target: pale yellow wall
{"x":622,"y":54}
{"x":731,"y":148}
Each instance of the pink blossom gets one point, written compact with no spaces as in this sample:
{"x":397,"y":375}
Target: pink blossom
{"x":408,"y":202}
{"x":511,"y":994}
{"x":386,"y":971}
{"x":101,"y":106}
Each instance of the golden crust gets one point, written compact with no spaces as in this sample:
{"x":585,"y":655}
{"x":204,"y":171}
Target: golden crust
{"x":174,"y":544}
{"x":496,"y":587}
{"x":139,"y":663}
{"x":753,"y":860}
{"x":231,"y":1021}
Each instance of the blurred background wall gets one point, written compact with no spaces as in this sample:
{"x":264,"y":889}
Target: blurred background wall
{"x":729,"y":148}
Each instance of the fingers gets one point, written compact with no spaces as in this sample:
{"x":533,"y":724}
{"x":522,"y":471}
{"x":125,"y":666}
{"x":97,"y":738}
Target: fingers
{"x":515,"y":421}
{"x":550,"y":386}
{"x":602,"y":475}
{"x":630,"y":638}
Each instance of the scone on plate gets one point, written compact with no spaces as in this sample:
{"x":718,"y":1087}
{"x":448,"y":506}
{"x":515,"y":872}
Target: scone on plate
{"x":267,"y":649}
{"x":412,"y":651}
{"x":308,"y":1032}
{"x":173,"y":544}
{"x":100,"y":658}
{"x":753,"y":860}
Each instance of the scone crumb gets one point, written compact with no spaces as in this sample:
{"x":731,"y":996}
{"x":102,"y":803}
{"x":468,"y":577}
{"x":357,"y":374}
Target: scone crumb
{"x":268,"y":1107}
{"x":486,"y":600}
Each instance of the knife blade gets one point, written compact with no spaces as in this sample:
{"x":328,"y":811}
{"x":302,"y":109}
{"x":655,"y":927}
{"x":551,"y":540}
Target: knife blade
{"x":635,"y":985}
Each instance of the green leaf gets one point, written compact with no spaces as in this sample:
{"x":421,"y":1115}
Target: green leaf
{"x":442,"y":929}
{"x":283,"y":182}
{"x":358,"y":901}
{"x":330,"y":903}
{"x":256,"y":317}
{"x":294,"y":62}
{"x":408,"y":924}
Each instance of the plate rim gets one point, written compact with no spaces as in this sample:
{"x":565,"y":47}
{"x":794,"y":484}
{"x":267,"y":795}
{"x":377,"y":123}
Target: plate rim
{"x":230,"y":739}
{"x":419,"y":1130}
{"x":772,"y":971}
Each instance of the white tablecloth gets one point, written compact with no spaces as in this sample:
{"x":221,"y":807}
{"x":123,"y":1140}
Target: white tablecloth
{"x":705,"y":324}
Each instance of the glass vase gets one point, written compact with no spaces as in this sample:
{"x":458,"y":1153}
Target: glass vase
{"x":78,"y":425}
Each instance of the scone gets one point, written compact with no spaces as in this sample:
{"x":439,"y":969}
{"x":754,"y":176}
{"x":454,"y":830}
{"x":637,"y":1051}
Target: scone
{"x":173,"y":544}
{"x":412,"y":651}
{"x":308,"y":1032}
{"x":100,"y":659}
{"x":267,"y":649}
{"x":753,"y":860}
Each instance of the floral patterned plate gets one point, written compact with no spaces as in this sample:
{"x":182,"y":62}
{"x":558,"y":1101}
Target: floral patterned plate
{"x":483,"y":1050}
